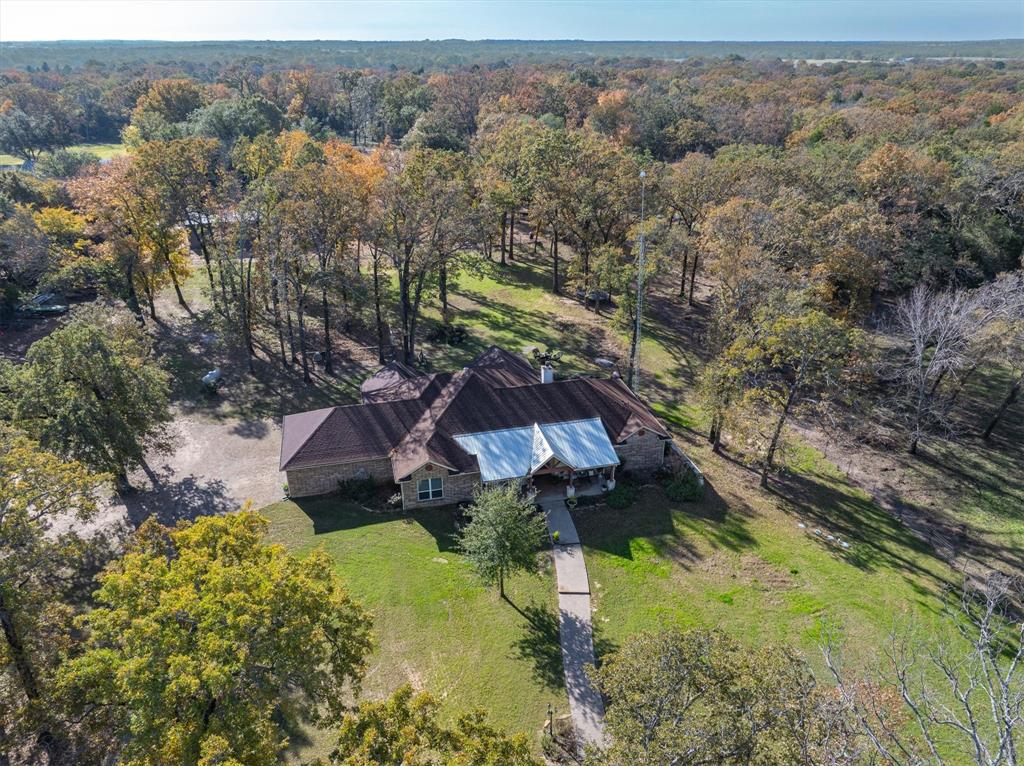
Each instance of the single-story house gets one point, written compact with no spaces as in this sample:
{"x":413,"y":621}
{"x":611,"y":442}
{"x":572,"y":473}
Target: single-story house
{"x":440,"y":436}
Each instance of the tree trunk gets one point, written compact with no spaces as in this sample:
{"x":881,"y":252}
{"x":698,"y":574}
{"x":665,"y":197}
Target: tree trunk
{"x":770,"y":457}
{"x":511,"y":236}
{"x":504,"y":227}
{"x":205,"y":252}
{"x":177,"y":287}
{"x":133,"y":297}
{"x":554,"y":262}
{"x":288,"y":317}
{"x":693,"y":275}
{"x":442,"y":279}
{"x":19,"y":655}
{"x":299,"y":310}
{"x":276,"y":299}
{"x":682,"y":282}
{"x":376,"y":308}
{"x":501,"y":583}
{"x":149,"y":297}
{"x":1011,"y":397}
{"x":245,"y":307}
{"x":328,"y":366}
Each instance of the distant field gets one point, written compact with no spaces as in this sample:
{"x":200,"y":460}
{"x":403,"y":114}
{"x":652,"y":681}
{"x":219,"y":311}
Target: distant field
{"x":103,"y":151}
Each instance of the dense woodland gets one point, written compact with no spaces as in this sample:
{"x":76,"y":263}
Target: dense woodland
{"x":861,"y":226}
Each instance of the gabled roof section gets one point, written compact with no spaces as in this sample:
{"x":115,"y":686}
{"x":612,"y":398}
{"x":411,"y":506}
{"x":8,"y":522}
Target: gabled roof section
{"x":390,"y":375}
{"x":514,"y":453}
{"x":496,"y":356}
{"x":346,"y":434}
{"x":580,"y":444}
{"x":421,"y":445}
{"x":297,"y":429}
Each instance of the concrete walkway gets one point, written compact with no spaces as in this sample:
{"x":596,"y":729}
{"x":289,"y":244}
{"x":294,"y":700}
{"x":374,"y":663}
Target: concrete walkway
{"x":575,"y":629}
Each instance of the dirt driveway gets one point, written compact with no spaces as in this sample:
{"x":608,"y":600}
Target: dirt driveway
{"x":215,"y":467}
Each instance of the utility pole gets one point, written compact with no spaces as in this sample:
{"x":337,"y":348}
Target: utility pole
{"x":634,"y":378}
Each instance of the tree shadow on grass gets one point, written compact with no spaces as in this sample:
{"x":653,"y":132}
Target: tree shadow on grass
{"x":540,"y":644}
{"x":877,"y":539}
{"x":656,"y":525}
{"x":442,"y":524}
{"x":332,"y":514}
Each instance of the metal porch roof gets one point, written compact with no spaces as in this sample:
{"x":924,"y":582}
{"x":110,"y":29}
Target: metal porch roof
{"x":512,"y":453}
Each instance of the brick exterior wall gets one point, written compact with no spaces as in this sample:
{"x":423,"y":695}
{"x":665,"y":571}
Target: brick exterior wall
{"x":640,"y":454}
{"x":321,"y":479}
{"x":457,"y":488}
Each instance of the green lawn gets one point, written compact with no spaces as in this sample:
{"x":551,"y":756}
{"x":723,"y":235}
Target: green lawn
{"x":103,"y":151}
{"x":436,"y":626}
{"x":739,"y":561}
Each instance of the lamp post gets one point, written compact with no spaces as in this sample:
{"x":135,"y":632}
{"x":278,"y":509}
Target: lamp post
{"x":634,"y":378}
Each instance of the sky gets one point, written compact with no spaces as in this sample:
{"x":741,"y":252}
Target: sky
{"x":509,"y":19}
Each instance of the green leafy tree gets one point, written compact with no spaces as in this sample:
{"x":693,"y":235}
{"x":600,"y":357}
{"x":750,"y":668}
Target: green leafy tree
{"x":425,"y":215}
{"x":206,"y":640}
{"x":782,"y":359}
{"x":503,"y":535}
{"x":698,"y":697}
{"x":42,"y":499}
{"x":404,"y":730}
{"x":92,"y":392}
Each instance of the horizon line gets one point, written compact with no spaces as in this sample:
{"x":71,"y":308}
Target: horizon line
{"x":504,"y":40}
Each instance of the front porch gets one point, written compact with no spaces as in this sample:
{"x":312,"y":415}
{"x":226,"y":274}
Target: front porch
{"x":556,"y":485}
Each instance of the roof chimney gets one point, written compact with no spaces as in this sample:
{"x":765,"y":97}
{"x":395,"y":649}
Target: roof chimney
{"x":547,"y":373}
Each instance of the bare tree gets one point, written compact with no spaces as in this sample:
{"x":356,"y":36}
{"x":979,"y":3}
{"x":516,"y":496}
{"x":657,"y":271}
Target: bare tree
{"x":935,"y":333}
{"x":977,"y":707}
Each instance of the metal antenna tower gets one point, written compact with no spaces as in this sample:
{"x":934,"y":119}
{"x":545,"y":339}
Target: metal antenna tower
{"x":634,"y":381}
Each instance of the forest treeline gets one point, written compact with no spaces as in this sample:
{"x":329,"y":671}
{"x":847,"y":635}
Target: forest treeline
{"x":199,"y":56}
{"x":327,"y":199}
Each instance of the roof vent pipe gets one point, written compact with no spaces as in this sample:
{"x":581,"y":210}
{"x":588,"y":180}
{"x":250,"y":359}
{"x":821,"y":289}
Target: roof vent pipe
{"x":547,"y":373}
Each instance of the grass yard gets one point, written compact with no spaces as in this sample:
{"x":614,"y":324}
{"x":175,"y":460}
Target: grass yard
{"x":738,"y":560}
{"x":103,"y":151}
{"x":436,"y":626}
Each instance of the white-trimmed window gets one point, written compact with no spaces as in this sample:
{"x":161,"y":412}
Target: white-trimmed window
{"x":430,"y":489}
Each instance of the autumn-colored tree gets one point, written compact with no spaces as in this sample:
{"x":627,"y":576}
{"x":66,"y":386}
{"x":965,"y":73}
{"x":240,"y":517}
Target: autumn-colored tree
{"x":140,"y":237}
{"x":404,"y":730}
{"x":506,"y":174}
{"x":689,"y":189}
{"x":323,"y":206}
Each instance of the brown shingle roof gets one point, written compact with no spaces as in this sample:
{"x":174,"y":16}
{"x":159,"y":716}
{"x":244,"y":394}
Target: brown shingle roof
{"x":420,"y":387}
{"x":347,"y":434}
{"x":499,"y":390}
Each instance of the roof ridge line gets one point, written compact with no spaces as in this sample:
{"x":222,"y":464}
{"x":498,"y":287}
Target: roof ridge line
{"x":457,"y":383}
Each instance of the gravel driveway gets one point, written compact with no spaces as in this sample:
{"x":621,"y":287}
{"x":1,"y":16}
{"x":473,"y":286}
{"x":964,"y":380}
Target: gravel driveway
{"x":215,"y":467}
